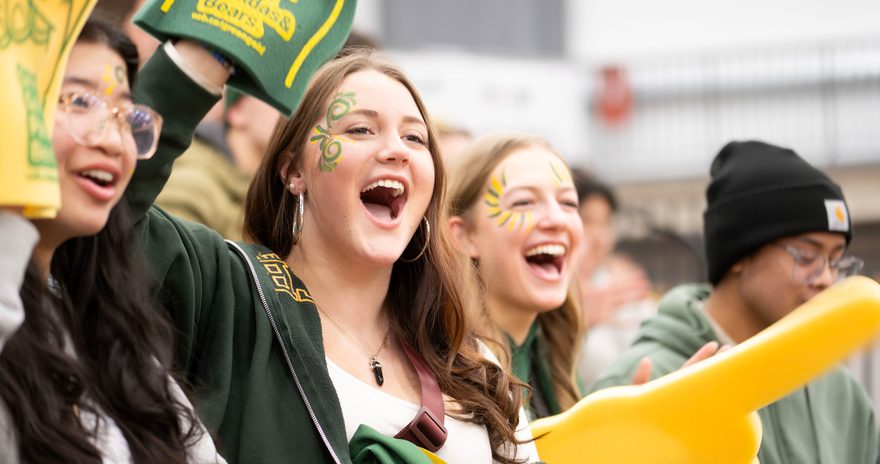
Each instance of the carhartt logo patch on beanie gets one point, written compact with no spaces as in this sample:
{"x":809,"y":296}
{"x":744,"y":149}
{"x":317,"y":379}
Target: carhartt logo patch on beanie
{"x":760,"y":193}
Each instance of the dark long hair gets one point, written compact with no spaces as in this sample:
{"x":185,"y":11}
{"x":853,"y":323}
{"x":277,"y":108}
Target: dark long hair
{"x":121,"y":339}
{"x":427,"y":305}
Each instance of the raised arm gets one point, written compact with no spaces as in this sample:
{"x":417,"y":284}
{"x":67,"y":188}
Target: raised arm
{"x":181,"y":82}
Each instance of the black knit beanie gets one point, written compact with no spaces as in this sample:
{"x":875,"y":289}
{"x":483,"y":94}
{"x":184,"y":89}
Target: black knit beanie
{"x":760,"y":193}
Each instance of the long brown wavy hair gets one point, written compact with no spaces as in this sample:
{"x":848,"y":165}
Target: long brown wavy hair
{"x":100,"y":298}
{"x":427,"y":306}
{"x":561,"y":327}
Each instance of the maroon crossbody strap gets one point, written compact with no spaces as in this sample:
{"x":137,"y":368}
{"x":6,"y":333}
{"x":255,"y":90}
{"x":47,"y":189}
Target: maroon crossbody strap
{"x":426,"y":429}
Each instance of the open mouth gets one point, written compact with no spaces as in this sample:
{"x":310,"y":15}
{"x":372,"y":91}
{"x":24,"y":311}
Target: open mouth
{"x":384,"y":199}
{"x":98,"y":177}
{"x":546,"y":261}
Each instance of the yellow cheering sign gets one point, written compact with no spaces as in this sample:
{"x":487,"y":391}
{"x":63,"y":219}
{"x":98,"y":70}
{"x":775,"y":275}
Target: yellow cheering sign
{"x":35,"y":40}
{"x":705,"y":413}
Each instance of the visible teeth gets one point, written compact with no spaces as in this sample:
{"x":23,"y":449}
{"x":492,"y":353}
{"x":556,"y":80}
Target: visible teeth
{"x":96,"y":174}
{"x":392,"y":184}
{"x":552,"y":250}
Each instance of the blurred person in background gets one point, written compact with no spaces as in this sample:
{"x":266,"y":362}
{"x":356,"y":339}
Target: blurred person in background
{"x":615,"y":292}
{"x":514,"y":212}
{"x":210,"y":181}
{"x":453,"y":141}
{"x":776,"y":231}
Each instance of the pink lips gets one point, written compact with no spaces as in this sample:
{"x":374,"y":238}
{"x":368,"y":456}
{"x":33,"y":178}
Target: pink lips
{"x":98,"y":192}
{"x":101,"y":193}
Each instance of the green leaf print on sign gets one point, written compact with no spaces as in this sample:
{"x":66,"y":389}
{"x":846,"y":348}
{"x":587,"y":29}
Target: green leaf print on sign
{"x":40,"y":151}
{"x":329,"y":144}
{"x":21,"y":22}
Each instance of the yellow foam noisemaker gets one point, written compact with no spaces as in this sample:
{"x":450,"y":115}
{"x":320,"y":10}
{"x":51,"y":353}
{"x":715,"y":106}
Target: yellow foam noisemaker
{"x":35,"y":40}
{"x":706,"y":412}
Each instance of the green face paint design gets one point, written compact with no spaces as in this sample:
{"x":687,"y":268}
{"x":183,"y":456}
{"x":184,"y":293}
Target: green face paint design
{"x":329,"y":144}
{"x":492,"y":198}
{"x":561,"y":174}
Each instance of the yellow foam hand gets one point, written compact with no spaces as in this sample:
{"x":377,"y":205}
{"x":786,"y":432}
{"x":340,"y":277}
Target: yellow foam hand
{"x":433,"y":457}
{"x":705,"y":412}
{"x":35,"y":41}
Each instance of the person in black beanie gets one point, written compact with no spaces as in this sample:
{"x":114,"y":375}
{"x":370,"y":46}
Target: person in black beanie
{"x":776,"y":231}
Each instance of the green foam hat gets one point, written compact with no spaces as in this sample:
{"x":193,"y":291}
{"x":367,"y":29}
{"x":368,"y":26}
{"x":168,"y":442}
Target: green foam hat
{"x":275,"y":45}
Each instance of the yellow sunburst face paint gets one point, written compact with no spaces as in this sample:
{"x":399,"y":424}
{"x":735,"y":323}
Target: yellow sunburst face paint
{"x":513,"y":220}
{"x":329,"y":143}
{"x":561,"y":174}
{"x":112,"y":78}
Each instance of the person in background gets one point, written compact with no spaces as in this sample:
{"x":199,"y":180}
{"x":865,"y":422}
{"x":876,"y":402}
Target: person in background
{"x":615,"y":292}
{"x":453,"y":140}
{"x":85,"y":369}
{"x":776,"y":232}
{"x":514,"y":211}
{"x":210,"y":181}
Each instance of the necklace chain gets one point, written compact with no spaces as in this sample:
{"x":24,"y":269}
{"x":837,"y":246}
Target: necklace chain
{"x":355,"y":341}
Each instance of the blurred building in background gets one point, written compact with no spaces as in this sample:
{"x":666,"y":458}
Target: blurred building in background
{"x":645,"y":93}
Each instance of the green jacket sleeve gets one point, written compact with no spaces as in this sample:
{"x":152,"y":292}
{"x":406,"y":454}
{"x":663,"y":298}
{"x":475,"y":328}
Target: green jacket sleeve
{"x":191,"y":264}
{"x":182,"y":103}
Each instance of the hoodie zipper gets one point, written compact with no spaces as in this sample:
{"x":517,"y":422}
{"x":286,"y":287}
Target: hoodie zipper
{"x":277,"y":332}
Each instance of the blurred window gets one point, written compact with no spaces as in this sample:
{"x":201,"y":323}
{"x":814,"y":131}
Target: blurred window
{"x":510,"y":27}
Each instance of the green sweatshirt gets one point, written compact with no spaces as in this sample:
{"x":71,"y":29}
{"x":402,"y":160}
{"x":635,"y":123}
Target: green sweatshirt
{"x":830,"y":421}
{"x":253,"y":354}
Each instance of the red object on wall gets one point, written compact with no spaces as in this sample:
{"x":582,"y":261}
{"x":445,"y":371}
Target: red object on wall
{"x":614,"y":99}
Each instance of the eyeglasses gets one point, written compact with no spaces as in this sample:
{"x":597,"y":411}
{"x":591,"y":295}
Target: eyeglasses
{"x":87,"y":117}
{"x":809,"y":266}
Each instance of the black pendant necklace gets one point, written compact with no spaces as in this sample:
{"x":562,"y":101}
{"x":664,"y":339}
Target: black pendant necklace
{"x":376,"y":366}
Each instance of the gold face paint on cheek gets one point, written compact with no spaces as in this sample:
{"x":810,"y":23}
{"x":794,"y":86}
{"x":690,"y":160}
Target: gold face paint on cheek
{"x":514,"y":220}
{"x":330,"y":144}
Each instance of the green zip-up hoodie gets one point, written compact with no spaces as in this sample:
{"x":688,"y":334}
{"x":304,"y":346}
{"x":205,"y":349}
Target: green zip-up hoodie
{"x":830,"y":421}
{"x":248,"y":333}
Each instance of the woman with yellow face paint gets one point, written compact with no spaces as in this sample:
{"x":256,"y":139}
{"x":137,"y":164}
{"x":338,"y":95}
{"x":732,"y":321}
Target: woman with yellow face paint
{"x":514,"y":211}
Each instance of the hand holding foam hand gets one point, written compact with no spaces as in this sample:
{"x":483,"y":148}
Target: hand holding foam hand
{"x":35,"y":41}
{"x":705,"y":412}
{"x":274,"y":45}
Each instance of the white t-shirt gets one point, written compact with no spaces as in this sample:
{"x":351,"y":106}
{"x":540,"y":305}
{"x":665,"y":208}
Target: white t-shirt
{"x":387,"y":414}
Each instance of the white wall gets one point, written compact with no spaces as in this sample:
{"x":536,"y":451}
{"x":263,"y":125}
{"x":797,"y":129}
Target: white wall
{"x":486,"y":93}
{"x":622,"y":30}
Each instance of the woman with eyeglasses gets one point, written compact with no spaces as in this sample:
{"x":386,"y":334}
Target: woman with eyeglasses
{"x":85,"y":368}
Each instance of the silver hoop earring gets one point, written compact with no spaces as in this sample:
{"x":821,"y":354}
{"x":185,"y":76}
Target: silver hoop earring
{"x":424,"y":246}
{"x":298,"y":217}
